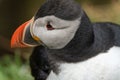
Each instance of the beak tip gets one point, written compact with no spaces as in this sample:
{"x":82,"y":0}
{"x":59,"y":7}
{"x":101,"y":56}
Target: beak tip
{"x":13,"y":43}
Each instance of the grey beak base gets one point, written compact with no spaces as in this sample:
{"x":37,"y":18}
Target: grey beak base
{"x":27,"y":38}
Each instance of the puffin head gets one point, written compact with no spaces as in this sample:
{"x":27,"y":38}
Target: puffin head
{"x":54,"y":25}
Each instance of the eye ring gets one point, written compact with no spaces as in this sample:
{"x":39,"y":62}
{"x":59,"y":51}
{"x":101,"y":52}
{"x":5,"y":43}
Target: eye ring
{"x":49,"y":26}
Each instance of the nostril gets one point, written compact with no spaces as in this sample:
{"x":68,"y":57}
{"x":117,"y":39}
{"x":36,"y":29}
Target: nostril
{"x":49,"y":26}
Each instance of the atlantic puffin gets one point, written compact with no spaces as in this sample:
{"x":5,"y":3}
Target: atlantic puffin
{"x":69,"y":45}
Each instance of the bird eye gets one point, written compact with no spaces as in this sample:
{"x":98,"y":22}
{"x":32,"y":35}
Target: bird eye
{"x":49,"y":26}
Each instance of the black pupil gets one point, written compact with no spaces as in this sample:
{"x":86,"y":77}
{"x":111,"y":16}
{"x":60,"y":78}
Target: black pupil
{"x":49,"y":26}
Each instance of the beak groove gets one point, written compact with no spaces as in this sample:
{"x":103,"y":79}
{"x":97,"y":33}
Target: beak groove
{"x":16,"y":40}
{"x":24,"y":37}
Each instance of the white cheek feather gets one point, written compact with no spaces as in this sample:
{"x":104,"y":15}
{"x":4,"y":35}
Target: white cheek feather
{"x":59,"y":37}
{"x":105,"y":66}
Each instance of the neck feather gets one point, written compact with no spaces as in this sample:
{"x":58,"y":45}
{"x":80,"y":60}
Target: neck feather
{"x":74,"y":51}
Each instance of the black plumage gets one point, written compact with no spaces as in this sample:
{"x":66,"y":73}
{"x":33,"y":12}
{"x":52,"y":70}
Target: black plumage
{"x":39,"y":63}
{"x":90,"y":40}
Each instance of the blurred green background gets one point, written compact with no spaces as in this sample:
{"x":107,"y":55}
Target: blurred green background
{"x":14,"y":62}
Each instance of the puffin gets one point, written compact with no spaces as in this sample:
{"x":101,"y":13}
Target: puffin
{"x":68,"y":46}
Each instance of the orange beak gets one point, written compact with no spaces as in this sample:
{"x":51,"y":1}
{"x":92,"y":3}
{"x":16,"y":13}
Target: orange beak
{"x":16,"y":40}
{"x":22,"y":36}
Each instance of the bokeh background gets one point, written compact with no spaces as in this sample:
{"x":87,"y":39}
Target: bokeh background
{"x":14,"y":63}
